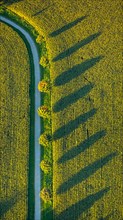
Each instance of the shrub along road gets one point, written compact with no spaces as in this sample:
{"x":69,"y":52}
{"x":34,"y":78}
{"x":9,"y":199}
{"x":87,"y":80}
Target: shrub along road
{"x":37,"y":131}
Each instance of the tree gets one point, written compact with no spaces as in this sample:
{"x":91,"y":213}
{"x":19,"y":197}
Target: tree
{"x":44,"y":139}
{"x":44,"y":61}
{"x":45,"y":166}
{"x":39,"y":39}
{"x":43,"y":86}
{"x":45,"y":194}
{"x":43,"y":112}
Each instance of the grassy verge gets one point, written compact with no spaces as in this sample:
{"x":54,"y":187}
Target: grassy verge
{"x":47,"y":211}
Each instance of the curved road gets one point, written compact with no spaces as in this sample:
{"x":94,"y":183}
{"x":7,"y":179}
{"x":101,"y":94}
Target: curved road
{"x":37,"y":212}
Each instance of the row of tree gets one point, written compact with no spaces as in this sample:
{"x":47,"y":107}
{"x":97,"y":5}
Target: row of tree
{"x":44,"y":86}
{"x":45,"y":138}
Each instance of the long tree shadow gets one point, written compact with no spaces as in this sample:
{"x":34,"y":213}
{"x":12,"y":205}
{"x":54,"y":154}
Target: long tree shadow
{"x":108,"y":217}
{"x":6,"y":205}
{"x":67,"y":27}
{"x":73,"y":124}
{"x":72,"y":98}
{"x":76,"y":47}
{"x":76,"y":150}
{"x":9,"y":2}
{"x":76,"y":71}
{"x":84,"y":173}
{"x":47,"y":214}
{"x":41,"y":11}
{"x":74,"y":211}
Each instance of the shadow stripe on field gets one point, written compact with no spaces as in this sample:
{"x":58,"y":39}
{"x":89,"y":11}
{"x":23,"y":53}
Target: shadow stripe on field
{"x":84,"y":173}
{"x":8,"y":203}
{"x":72,"y":98}
{"x":76,"y":47}
{"x":76,"y":71}
{"x":73,"y":124}
{"x":76,"y":150}
{"x":67,"y":27}
{"x":74,"y":211}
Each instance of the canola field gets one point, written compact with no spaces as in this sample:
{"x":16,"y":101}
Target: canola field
{"x":84,"y":41}
{"x":14,"y":149}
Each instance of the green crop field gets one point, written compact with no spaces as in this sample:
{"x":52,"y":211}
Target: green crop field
{"x":84,"y":41}
{"x":15,"y":78}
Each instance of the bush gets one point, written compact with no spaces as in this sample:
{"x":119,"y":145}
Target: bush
{"x":43,"y":112}
{"x":44,"y":61}
{"x":39,"y":39}
{"x":45,"y":166}
{"x":43,"y":86}
{"x":44,"y":139}
{"x":45,"y":195}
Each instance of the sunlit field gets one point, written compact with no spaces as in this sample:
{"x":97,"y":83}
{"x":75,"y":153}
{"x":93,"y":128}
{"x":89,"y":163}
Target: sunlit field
{"x":15,"y":78}
{"x":83,"y":40}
